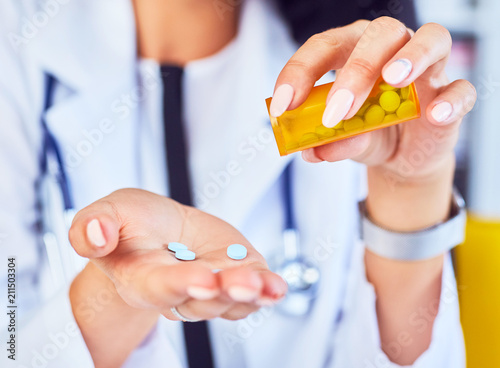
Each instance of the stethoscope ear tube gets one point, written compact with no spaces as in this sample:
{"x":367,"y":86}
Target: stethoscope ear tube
{"x":57,"y":210}
{"x":301,"y":275}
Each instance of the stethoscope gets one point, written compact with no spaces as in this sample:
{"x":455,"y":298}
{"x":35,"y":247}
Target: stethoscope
{"x":301,"y":275}
{"x":54,"y":191}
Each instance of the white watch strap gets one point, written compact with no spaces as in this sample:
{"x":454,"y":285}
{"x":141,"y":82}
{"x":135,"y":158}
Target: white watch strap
{"x":418,"y":245}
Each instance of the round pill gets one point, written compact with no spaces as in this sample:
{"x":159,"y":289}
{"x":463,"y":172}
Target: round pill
{"x":386,"y":87}
{"x":308,"y":138}
{"x":406,"y":110}
{"x":175,"y":246}
{"x":363,"y":108}
{"x":390,"y":118}
{"x":236,"y":251}
{"x":185,"y":255}
{"x":353,"y":124}
{"x":339,"y":126}
{"x":323,"y":131}
{"x":405,"y":92}
{"x":374,"y":115}
{"x":389,"y":101}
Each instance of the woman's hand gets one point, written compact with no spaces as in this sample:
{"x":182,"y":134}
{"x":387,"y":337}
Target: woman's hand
{"x":361,"y":52}
{"x":126,"y":235}
{"x":132,"y":277}
{"x":410,"y":165}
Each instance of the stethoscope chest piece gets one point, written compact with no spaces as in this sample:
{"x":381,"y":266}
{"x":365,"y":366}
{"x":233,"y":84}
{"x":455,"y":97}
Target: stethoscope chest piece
{"x":302,"y":277}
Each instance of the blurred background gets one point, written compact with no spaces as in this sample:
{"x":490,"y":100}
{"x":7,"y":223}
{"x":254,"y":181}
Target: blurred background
{"x":475,"y":29}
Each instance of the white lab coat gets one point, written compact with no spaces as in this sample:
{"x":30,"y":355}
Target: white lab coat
{"x":107,"y":119}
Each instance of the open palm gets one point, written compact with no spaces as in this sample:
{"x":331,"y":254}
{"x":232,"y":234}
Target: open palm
{"x":136,"y":228}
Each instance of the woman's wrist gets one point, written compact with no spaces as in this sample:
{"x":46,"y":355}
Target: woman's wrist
{"x":103,"y":316}
{"x":411,"y":204}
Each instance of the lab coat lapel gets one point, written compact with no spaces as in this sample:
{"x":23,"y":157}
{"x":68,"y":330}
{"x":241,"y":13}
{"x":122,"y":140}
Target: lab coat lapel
{"x":95,"y":67}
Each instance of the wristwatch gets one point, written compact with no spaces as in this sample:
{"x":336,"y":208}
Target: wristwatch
{"x":416,"y":245}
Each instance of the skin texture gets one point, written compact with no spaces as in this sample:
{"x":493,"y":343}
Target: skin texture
{"x":401,"y":196}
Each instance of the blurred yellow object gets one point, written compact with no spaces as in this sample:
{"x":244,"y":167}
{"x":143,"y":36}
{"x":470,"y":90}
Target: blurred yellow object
{"x":302,"y":128}
{"x":478,"y":277}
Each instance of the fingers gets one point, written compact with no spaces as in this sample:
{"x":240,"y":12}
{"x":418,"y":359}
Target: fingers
{"x":320,"y":54}
{"x":95,"y":230}
{"x":122,"y":215}
{"x":274,"y":288}
{"x":156,"y":286}
{"x":340,"y":150}
{"x":241,"y":284}
{"x":427,"y":51}
{"x":452,"y":104}
{"x":242,"y":291}
{"x":381,"y":40}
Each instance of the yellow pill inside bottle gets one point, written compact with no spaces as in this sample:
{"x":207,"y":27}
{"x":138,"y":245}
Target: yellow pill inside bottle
{"x":406,"y":109}
{"x":389,"y":101}
{"x":302,"y":128}
{"x":323,"y":131}
{"x":390,"y":118}
{"x":374,"y":115}
{"x":354,"y":124}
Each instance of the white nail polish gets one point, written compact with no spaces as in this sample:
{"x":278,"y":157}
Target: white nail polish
{"x":201,"y":293}
{"x":309,"y":156}
{"x":442,"y":111}
{"x":95,"y":234}
{"x":337,"y":107}
{"x":398,"y":71}
{"x":242,"y":294}
{"x":282,"y":98}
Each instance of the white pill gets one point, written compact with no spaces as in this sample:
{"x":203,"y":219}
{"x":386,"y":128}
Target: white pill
{"x":175,"y":246}
{"x":185,"y":255}
{"x":236,"y":251}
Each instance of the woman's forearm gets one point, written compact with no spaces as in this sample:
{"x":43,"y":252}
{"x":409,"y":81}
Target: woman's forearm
{"x":111,"y":328}
{"x":406,"y":290}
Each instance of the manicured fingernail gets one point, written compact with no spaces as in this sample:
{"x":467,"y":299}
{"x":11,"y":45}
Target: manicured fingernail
{"x":242,"y":294}
{"x":398,"y":71}
{"x":201,"y":293}
{"x":309,"y":156}
{"x":266,"y":302}
{"x":282,"y":98}
{"x":442,"y":111}
{"x":337,"y":107}
{"x":95,"y":234}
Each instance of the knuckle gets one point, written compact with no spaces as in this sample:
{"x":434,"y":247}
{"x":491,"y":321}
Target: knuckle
{"x":390,"y":24}
{"x":361,"y":23}
{"x":363,"y":67}
{"x":440,"y":31}
{"x":297,"y":64}
{"x":328,"y":39}
{"x":114,"y":210}
{"x":422,"y":48}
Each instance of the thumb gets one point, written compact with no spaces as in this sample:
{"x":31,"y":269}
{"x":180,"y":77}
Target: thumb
{"x":95,"y":230}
